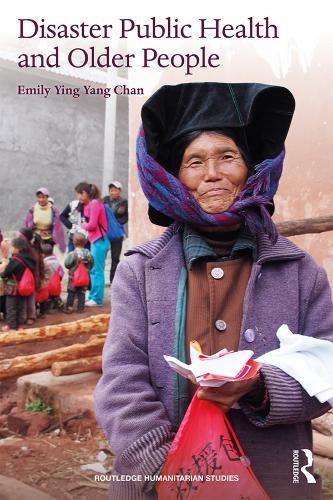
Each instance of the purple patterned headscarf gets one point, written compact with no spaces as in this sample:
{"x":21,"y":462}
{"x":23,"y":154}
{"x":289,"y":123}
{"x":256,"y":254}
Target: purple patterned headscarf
{"x":169,"y":196}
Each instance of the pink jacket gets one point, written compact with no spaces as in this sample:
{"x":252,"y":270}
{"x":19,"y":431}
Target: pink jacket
{"x":96,"y":226}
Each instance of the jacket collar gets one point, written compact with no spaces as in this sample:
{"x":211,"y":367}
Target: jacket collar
{"x":151,"y":248}
{"x":283,"y":249}
{"x":196,"y":247}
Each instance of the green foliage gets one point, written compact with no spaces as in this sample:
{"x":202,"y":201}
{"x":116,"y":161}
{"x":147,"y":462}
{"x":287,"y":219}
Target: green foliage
{"x":38,"y":405}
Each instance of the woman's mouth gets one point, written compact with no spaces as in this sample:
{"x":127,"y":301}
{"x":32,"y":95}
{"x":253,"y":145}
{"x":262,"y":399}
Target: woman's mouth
{"x":215,"y":192}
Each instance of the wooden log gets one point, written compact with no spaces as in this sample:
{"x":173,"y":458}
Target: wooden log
{"x":92,"y":324}
{"x":94,"y":363}
{"x":21,"y":365}
{"x":306,"y":226}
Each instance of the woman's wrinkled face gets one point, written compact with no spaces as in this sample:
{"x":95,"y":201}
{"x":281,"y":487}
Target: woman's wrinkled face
{"x":42,"y":199}
{"x":214,"y":171}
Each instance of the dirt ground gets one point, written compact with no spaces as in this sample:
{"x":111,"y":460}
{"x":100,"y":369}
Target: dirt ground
{"x":51,"y":462}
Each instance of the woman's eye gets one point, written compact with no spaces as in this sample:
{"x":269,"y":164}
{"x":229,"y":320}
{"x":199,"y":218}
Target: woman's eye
{"x":195,"y":163}
{"x":227,"y":157}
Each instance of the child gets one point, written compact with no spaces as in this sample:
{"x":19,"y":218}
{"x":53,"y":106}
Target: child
{"x":72,"y":262}
{"x":51,"y":266}
{"x":12,"y":274}
{"x":34,"y":242}
{"x":4,"y":259}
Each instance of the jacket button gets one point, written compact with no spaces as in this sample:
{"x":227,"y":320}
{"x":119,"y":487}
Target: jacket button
{"x":220,"y":325}
{"x":217,"y":273}
{"x":249,"y":335}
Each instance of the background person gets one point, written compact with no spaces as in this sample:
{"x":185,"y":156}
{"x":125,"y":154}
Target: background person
{"x":34,"y":243}
{"x":72,"y":217}
{"x":52,"y":266}
{"x":44,"y":219}
{"x":94,"y":212}
{"x":12,"y":274}
{"x":119,"y":206}
{"x":4,"y":259}
{"x":72,"y":261}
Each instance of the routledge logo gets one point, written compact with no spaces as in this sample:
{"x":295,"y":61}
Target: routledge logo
{"x":296,"y":466}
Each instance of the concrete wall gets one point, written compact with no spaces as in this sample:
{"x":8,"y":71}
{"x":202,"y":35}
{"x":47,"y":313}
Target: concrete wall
{"x":54,"y":142}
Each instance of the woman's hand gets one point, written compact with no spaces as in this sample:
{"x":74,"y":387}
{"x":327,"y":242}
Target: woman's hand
{"x":229,"y":393}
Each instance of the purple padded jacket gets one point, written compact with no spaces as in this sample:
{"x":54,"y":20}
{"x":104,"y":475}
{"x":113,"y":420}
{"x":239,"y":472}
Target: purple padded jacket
{"x":134,"y":397}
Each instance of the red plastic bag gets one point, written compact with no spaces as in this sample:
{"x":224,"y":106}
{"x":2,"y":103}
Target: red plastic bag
{"x":26,"y":285}
{"x":206,"y":461}
{"x":55,"y":285}
{"x":42,"y":295}
{"x":80,"y":276}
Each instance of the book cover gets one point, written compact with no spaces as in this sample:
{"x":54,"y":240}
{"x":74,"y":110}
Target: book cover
{"x":73,"y":80}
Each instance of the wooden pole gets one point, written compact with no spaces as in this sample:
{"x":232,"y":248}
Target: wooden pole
{"x":21,"y":365}
{"x":109,"y":132}
{"x":94,"y":363}
{"x":306,"y":226}
{"x":92,"y":324}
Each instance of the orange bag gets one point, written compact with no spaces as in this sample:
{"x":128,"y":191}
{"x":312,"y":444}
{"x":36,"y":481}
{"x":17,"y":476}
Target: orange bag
{"x":42,"y":295}
{"x":54,"y":285}
{"x":26,"y":285}
{"x":81,"y":276}
{"x":206,"y":461}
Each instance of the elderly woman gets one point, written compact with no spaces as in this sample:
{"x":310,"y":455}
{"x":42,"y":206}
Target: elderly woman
{"x":209,"y":158}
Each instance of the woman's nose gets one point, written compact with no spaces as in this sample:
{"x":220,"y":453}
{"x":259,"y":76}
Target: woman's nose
{"x":212,"y":171}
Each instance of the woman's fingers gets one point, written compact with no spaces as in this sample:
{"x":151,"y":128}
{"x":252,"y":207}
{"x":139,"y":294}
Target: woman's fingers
{"x":228,"y":394}
{"x":192,"y":378}
{"x":211,"y":394}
